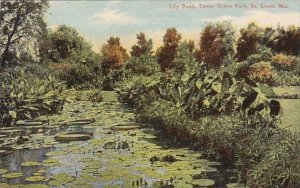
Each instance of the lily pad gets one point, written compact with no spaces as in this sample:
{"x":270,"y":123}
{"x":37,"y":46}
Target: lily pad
{"x":124,"y":128}
{"x":51,"y":162}
{"x":12,"y":175}
{"x":73,"y":136}
{"x":35,"y":178}
{"x":12,"y":132}
{"x":30,"y":123}
{"x":203,"y":182}
{"x":234,"y":185}
{"x":109,"y":145}
{"x":61,"y":179}
{"x":27,"y":164}
{"x":81,"y":122}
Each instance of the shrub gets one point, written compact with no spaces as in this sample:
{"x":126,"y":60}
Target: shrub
{"x":262,"y":72}
{"x":285,"y":62}
{"x":286,"y":78}
{"x":136,"y":90}
{"x":78,"y":75}
{"x":26,"y":96}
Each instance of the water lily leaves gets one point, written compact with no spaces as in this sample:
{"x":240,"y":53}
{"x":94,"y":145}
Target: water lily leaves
{"x":61,"y":179}
{"x":51,"y":162}
{"x":182,"y":184}
{"x":3,"y":171}
{"x":86,"y":159}
{"x":35,"y":178}
{"x":203,"y":182}
{"x":28,"y":164}
{"x":86,"y":178}
{"x":72,"y":137}
{"x":81,"y":122}
{"x":12,"y":175}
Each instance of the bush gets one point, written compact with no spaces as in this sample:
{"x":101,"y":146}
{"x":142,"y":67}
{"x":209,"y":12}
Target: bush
{"x":262,"y":72}
{"x":78,"y":75}
{"x":286,"y":78}
{"x":285,"y":62}
{"x":136,"y":90}
{"x":24,"y":96}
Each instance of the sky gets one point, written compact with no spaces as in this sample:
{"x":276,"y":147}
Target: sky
{"x":99,"y":20}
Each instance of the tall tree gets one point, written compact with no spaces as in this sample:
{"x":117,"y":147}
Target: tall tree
{"x":217,"y":44}
{"x":142,"y":47}
{"x":185,"y":57}
{"x":113,"y":55}
{"x":20,"y":23}
{"x":287,"y":40}
{"x":248,"y":41}
{"x":65,"y":42}
{"x":166,"y":53}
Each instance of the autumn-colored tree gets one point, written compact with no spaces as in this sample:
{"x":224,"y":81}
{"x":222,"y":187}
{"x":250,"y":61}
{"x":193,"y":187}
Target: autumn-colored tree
{"x":20,"y":23}
{"x":216,"y":44}
{"x":142,"y":47}
{"x":166,"y":53}
{"x":113,"y":55}
{"x":248,"y":41}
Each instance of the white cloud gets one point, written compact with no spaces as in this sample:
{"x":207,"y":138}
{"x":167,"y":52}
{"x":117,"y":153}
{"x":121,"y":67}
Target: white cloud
{"x":110,"y":17}
{"x":260,"y":17}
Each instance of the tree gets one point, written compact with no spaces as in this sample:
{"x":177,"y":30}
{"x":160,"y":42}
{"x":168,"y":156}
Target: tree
{"x":248,"y":41}
{"x":217,"y":44}
{"x":166,"y":53}
{"x":143,"y":46}
{"x":185,"y":57}
{"x":65,"y":42}
{"x":113,"y":55}
{"x":287,"y":40}
{"x":20,"y":23}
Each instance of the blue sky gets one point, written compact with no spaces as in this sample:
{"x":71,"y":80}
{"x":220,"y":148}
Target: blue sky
{"x":98,"y":20}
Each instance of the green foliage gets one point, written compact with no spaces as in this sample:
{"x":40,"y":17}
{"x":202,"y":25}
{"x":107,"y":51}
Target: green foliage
{"x":66,"y":43}
{"x":137,"y":89}
{"x":185,"y":57}
{"x":79,"y":75}
{"x":144,"y":65}
{"x":25,"y":96}
{"x":286,"y":78}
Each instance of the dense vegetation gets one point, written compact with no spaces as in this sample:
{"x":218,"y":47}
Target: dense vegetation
{"x":217,"y":96}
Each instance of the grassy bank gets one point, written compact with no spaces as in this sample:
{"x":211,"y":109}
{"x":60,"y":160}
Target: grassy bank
{"x":266,"y":156}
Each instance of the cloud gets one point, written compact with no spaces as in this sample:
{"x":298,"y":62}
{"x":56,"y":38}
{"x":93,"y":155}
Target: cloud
{"x":260,"y":17}
{"x":111,"y":17}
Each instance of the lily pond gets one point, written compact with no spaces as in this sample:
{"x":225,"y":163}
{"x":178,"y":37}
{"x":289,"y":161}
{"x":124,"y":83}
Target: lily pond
{"x":120,"y":153}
